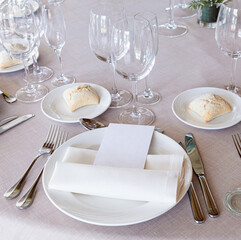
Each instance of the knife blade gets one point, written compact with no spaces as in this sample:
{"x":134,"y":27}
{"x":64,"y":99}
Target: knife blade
{"x":6,"y":120}
{"x":198,"y":168}
{"x":15,"y":122}
{"x":196,"y":207}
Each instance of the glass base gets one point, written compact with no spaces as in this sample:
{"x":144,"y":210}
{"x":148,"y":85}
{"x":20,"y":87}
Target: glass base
{"x":148,"y":97}
{"x":44,"y":74}
{"x":62,"y":80}
{"x":172,"y":30}
{"x":233,"y":88}
{"x":183,"y":11}
{"x":142,"y":116}
{"x":121,"y":99}
{"x":35,"y":94}
{"x":232,"y":201}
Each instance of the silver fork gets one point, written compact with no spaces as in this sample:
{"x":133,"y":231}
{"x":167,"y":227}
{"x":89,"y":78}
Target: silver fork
{"x":237,"y":142}
{"x":28,"y":197}
{"x":15,"y":190}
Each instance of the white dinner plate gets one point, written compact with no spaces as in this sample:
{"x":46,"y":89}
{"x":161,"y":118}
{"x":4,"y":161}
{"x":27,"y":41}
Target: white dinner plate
{"x":107,"y":211}
{"x":18,"y":66}
{"x":184,"y":114}
{"x":54,"y":106}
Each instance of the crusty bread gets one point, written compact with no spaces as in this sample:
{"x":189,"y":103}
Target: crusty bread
{"x":8,"y":61}
{"x":79,"y":96}
{"x":209,"y":106}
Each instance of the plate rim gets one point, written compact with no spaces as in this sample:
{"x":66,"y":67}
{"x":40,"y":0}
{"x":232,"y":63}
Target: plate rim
{"x":71,"y":85}
{"x":120,"y":223}
{"x":197,"y":126}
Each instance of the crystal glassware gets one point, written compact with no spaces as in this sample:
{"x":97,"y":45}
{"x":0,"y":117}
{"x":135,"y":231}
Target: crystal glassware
{"x":37,"y":73}
{"x":148,"y":96}
{"x":100,"y":29}
{"x":55,"y":36}
{"x":171,"y":29}
{"x":19,"y":35}
{"x":182,"y":10}
{"x":228,"y":36}
{"x":133,"y":55}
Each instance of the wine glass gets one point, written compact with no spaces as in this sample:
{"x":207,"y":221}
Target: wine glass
{"x":182,"y":10}
{"x":55,"y":36}
{"x":37,"y":73}
{"x":228,"y":36}
{"x":100,"y":29}
{"x":148,"y":96}
{"x":19,"y":34}
{"x":133,"y":55}
{"x":171,"y":29}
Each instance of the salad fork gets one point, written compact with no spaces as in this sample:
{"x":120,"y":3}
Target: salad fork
{"x":237,"y":143}
{"x":48,"y":145}
{"x":28,"y":197}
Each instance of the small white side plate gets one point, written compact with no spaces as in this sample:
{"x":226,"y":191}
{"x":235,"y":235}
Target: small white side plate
{"x":54,"y":106}
{"x":187,"y":116}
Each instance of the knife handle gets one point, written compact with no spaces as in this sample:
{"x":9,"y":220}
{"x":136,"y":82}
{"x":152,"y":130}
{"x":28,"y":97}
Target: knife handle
{"x":196,"y":208}
{"x":209,"y":200}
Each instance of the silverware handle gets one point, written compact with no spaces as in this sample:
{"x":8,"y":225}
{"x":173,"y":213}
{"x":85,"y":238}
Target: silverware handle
{"x":28,"y":197}
{"x":208,"y":197}
{"x":196,"y":208}
{"x":15,"y":190}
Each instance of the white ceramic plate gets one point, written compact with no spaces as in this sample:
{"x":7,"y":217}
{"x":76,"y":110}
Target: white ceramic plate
{"x":55,"y":107}
{"x":18,"y":66}
{"x":107,"y":211}
{"x":181,"y":111}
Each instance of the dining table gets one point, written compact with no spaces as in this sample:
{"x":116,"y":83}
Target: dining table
{"x":182,"y":63}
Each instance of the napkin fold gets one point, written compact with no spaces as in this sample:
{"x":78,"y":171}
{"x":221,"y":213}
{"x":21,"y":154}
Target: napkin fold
{"x":161,"y":180}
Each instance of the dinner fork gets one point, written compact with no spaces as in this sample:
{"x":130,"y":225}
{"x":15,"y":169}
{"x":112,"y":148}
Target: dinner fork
{"x":28,"y":197}
{"x":237,"y":143}
{"x":15,"y":190}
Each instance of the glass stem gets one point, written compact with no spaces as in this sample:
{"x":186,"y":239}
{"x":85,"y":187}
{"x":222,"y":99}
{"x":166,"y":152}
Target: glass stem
{"x":36,"y":69}
{"x":58,"y":52}
{"x":114,"y":92}
{"x":147,"y":91}
{"x":232,"y":84}
{"x":170,"y":14}
{"x":30,"y":86}
{"x":134,"y":92}
{"x":182,"y":3}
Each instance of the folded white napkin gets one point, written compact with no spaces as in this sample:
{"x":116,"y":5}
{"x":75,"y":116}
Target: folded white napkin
{"x":161,"y":180}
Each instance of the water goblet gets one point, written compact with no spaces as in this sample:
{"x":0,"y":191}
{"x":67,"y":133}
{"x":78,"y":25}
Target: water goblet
{"x":148,"y":96}
{"x":228,"y":36}
{"x":133,"y":55}
{"x":100,"y":29}
{"x":55,"y":36}
{"x":171,"y":29}
{"x":19,"y":34}
{"x":182,"y":10}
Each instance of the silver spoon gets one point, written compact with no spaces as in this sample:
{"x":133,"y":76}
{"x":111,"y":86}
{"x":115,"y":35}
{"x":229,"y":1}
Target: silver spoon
{"x":91,"y":124}
{"x":8,"y":98}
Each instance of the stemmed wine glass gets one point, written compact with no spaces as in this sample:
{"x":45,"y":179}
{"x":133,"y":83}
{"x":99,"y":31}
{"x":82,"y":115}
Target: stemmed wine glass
{"x":171,"y":29}
{"x":37,"y":73}
{"x":19,"y":34}
{"x":148,"y":96}
{"x":133,"y":55}
{"x":182,"y":10}
{"x":228,"y":36}
{"x":55,"y":36}
{"x":100,"y":29}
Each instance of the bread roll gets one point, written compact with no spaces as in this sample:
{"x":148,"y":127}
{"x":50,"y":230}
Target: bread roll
{"x":8,"y":61}
{"x":79,"y":96}
{"x":209,"y":106}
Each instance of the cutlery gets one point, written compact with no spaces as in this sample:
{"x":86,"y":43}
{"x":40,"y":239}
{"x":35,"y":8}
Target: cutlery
{"x":237,"y":143}
{"x":15,"y":190}
{"x":91,"y":124}
{"x":14,"y":122}
{"x":196,"y":208}
{"x":8,"y":98}
{"x":198,"y":168}
{"x":28,"y":197}
{"x":6,"y":120}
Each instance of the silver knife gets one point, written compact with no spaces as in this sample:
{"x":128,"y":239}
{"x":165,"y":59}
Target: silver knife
{"x":198,"y":168}
{"x":196,"y":208}
{"x":15,"y":122}
{"x":6,"y":120}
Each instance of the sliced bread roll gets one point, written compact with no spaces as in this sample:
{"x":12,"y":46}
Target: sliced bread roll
{"x":209,"y":106}
{"x":79,"y":96}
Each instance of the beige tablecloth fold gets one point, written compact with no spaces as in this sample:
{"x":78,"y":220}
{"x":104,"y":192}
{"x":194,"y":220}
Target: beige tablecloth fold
{"x":161,"y":180}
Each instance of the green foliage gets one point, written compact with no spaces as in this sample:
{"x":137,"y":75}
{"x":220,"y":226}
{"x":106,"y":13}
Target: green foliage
{"x":195,"y":4}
